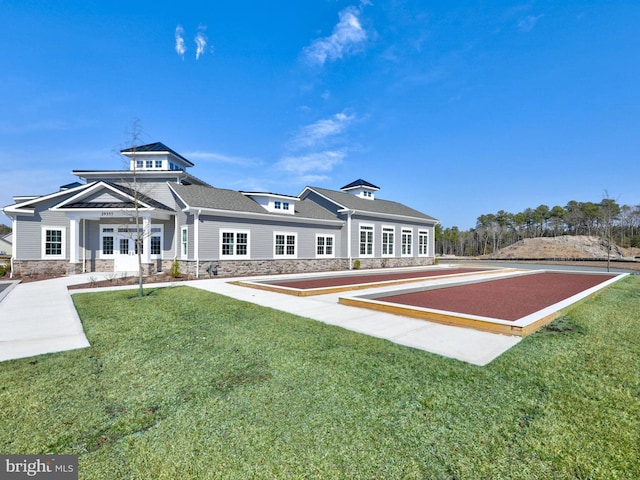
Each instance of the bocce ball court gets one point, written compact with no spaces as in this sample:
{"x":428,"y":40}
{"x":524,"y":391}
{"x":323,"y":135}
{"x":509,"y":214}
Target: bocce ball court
{"x":516,"y":305}
{"x":321,"y":285}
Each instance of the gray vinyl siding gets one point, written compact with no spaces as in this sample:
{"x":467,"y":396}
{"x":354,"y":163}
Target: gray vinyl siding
{"x":28,"y":244}
{"x":397,"y":240}
{"x":261,"y":236}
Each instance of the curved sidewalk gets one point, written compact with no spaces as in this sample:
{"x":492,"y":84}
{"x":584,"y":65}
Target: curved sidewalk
{"x":39,"y":317}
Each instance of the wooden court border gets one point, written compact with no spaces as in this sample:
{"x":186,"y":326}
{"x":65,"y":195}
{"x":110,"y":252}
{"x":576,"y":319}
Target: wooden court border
{"x":521,"y":327}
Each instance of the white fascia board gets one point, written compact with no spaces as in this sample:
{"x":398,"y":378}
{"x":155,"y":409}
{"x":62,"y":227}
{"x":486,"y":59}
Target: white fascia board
{"x":93,"y":188}
{"x":179,"y":197}
{"x":45,"y":197}
{"x":388,"y":215}
{"x":252,"y":215}
{"x":323,"y":196}
{"x":270,"y":195}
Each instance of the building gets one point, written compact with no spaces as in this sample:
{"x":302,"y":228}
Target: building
{"x":171,"y":215}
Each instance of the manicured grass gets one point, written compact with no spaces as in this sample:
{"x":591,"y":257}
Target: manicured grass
{"x":187,"y":384}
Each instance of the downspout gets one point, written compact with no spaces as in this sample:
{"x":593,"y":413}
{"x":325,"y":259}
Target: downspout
{"x":176,"y":236}
{"x":349,"y":213}
{"x":196,"y":246}
{"x":14,"y":248}
{"x":84,"y":245}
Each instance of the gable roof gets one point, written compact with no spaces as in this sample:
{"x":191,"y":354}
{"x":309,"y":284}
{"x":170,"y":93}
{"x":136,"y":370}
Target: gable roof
{"x":83,"y":199}
{"x":211,"y":198}
{"x":155,"y":147}
{"x":348,"y":201}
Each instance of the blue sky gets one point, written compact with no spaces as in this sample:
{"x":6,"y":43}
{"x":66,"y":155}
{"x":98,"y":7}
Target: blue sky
{"x":456,"y":109}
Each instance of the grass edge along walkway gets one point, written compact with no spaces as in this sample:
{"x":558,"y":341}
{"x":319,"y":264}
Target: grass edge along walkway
{"x":184,"y":383}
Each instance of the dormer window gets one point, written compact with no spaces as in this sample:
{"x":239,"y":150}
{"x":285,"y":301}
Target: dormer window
{"x":139,"y":164}
{"x":158,"y":163}
{"x":274,"y":202}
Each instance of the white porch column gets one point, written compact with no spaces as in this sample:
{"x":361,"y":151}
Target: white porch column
{"x":146,"y":239}
{"x":74,"y":240}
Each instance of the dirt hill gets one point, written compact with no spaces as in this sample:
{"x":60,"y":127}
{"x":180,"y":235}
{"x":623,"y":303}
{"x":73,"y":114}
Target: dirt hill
{"x":568,"y":246}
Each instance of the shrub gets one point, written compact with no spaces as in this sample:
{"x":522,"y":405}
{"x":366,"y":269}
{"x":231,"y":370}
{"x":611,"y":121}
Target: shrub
{"x":3,"y":270}
{"x":356,"y":264}
{"x":175,"y":269}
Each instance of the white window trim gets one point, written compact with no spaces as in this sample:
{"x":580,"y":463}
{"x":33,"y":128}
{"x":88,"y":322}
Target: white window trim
{"x":235,"y":232}
{"x":393,"y":243}
{"x":426,"y":234}
{"x":373,"y":240}
{"x":63,"y":238}
{"x":184,"y":243}
{"x":295,"y":245}
{"x":107,"y":234}
{"x":117,"y":235}
{"x":409,"y":232}
{"x":333,"y":245}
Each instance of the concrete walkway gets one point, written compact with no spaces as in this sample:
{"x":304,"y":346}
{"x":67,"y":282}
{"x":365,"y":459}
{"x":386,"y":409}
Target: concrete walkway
{"x":39,"y":317}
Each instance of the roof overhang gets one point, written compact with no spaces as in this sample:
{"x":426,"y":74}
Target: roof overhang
{"x":390,"y":216}
{"x":258,"y":216}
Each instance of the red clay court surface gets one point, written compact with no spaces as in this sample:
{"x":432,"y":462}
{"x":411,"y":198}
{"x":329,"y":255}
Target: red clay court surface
{"x":501,"y":301}
{"x":374,"y":278}
{"x":507,"y":298}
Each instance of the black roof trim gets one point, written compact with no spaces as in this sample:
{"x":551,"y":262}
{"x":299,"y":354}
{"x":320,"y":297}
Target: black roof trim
{"x":360,"y":183}
{"x":155,"y":147}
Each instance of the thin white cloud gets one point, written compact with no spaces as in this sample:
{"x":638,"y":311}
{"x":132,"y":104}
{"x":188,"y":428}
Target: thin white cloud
{"x":302,"y":165}
{"x":201,"y":43}
{"x":215,"y":157}
{"x":318,"y":133}
{"x":180,"y":46}
{"x":347,"y":36}
{"x":528,"y":23}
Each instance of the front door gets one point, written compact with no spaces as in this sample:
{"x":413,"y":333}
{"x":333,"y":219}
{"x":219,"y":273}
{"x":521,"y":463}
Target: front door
{"x":126,"y":258}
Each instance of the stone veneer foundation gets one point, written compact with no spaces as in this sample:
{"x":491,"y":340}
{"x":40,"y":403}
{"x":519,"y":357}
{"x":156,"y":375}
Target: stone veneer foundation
{"x":226,"y":268}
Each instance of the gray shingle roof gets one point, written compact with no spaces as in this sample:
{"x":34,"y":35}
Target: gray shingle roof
{"x":388,"y":207}
{"x":198,"y":196}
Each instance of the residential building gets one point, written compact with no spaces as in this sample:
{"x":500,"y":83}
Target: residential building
{"x":157,"y":206}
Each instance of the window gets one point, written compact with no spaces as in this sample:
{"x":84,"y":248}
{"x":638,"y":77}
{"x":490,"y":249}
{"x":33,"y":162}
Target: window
{"x":139,"y":164}
{"x":284,"y":244}
{"x":124,"y":246}
{"x":285,"y":205}
{"x":324,"y":245}
{"x":407,"y":242}
{"x":366,"y":240}
{"x":53,"y":242}
{"x":158,"y":163}
{"x":156,"y":247}
{"x":423,"y":243}
{"x":388,"y":236}
{"x":184,"y":242}
{"x":148,"y":164}
{"x":234,"y":244}
{"x":107,"y":245}
{"x":277,"y":205}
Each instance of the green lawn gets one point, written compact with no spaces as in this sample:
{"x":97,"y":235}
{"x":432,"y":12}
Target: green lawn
{"x":185,"y":384}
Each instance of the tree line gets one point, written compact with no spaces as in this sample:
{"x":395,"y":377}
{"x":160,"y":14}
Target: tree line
{"x":493,"y":231}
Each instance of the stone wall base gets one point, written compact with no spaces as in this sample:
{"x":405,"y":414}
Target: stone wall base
{"x":226,"y":268}
{"x":245,"y":268}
